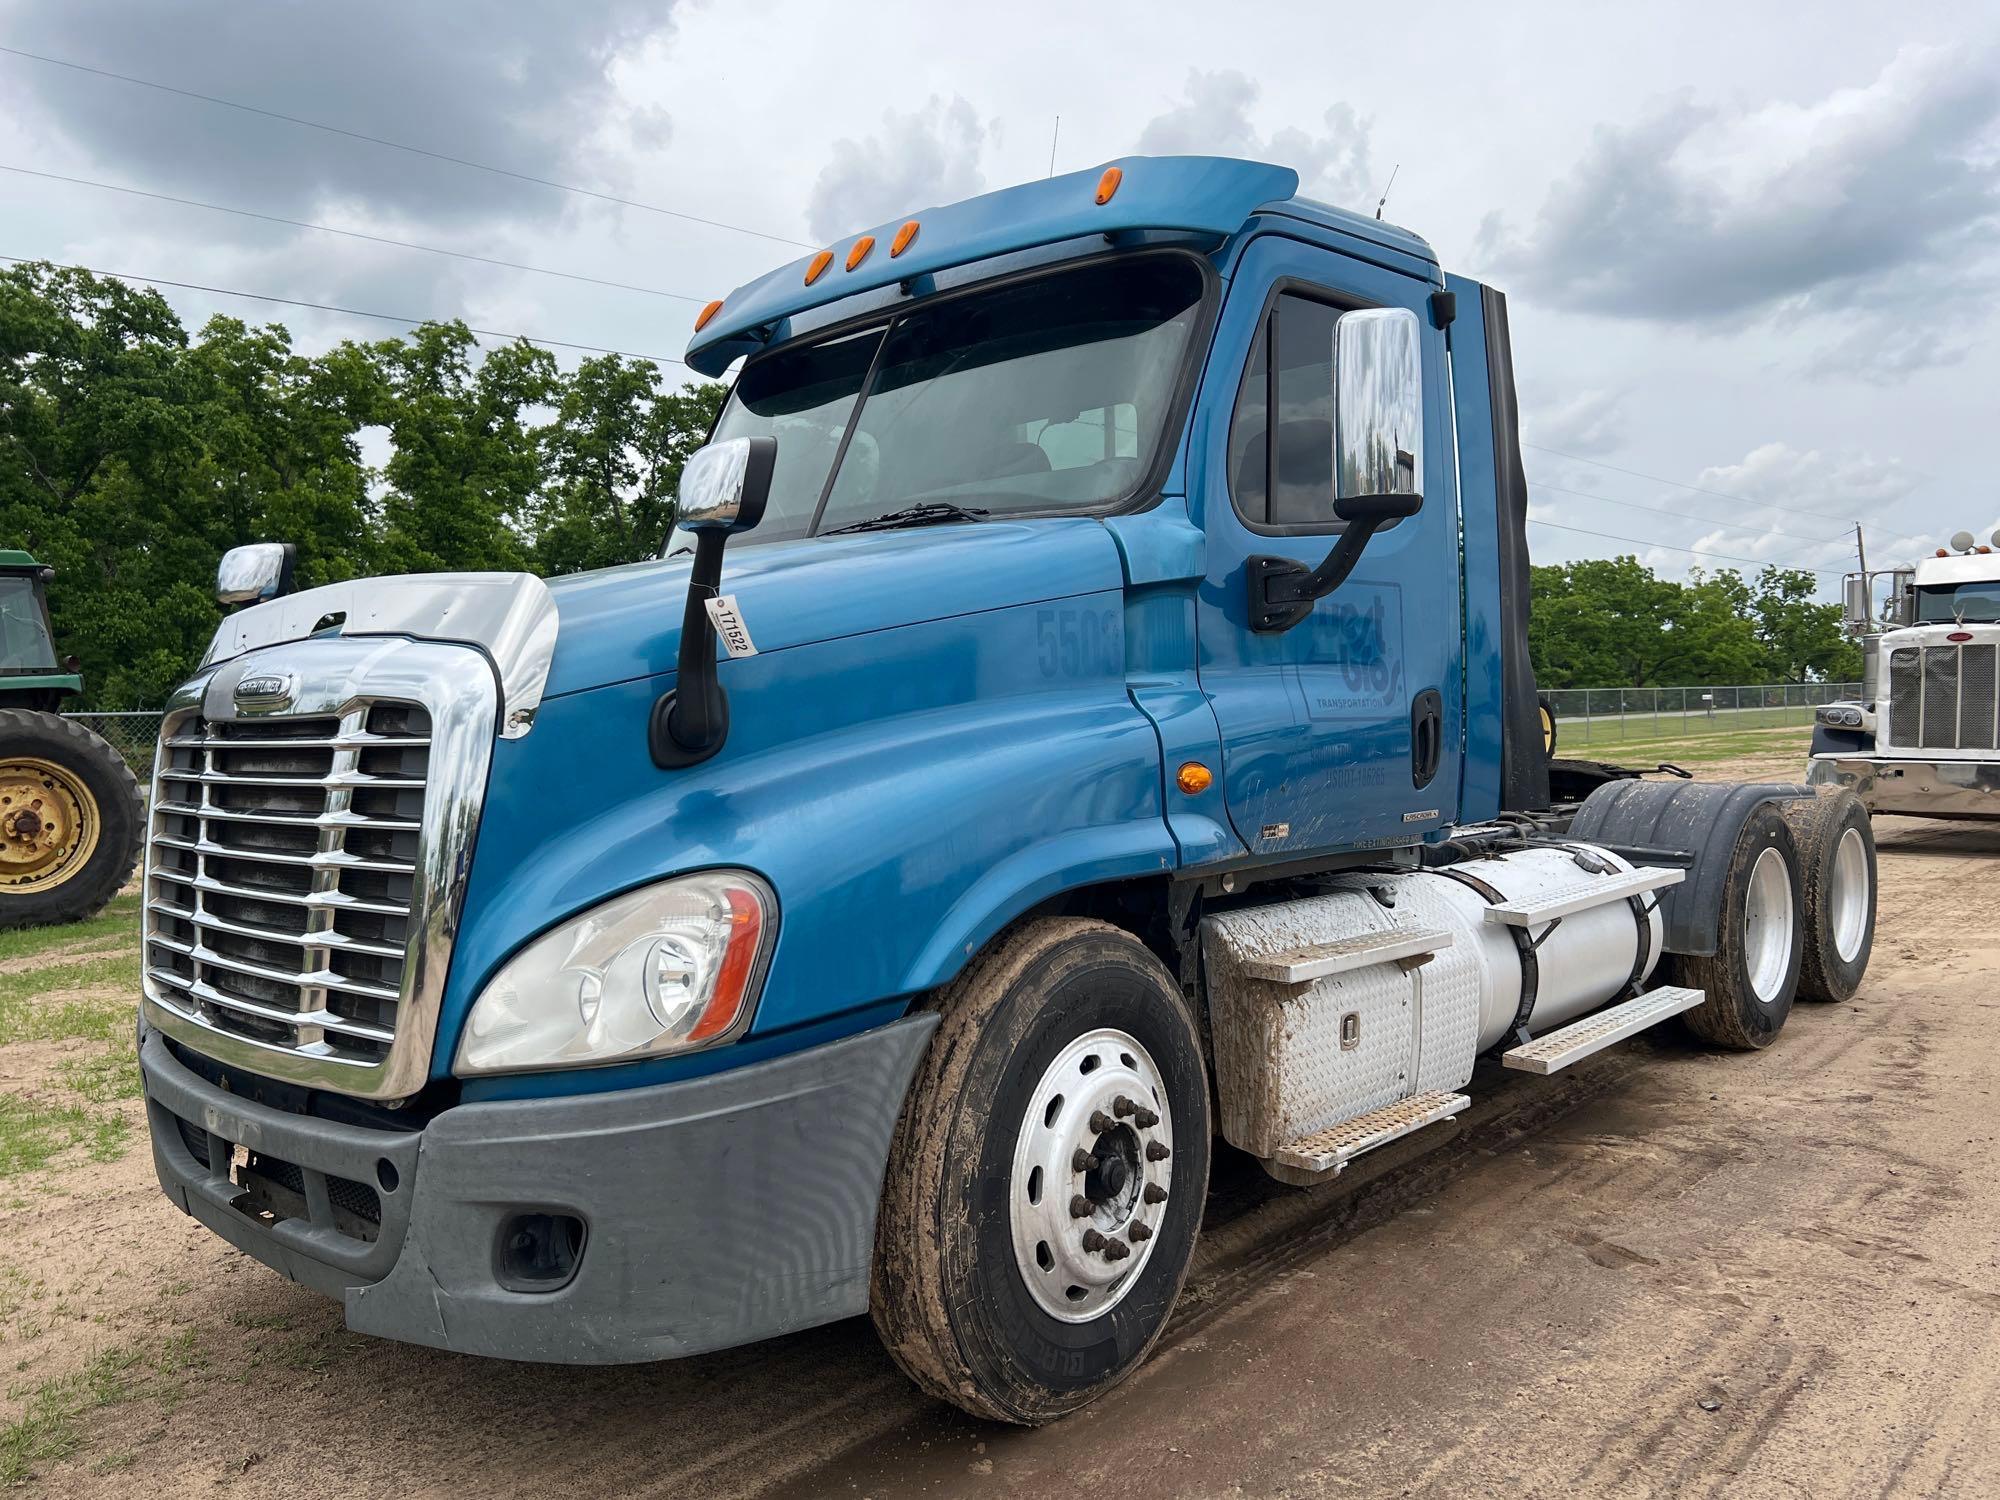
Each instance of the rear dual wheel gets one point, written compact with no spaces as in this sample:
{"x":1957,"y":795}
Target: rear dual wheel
{"x":1045,"y":1184}
{"x":1837,"y":870}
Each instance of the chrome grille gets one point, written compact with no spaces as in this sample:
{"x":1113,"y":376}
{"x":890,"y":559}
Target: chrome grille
{"x":1944,"y":697}
{"x":283,"y":863}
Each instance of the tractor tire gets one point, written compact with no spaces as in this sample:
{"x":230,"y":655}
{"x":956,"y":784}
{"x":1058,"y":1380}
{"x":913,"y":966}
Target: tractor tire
{"x":71,"y":819}
{"x":1753,"y":976}
{"x":1045,"y":1185}
{"x":1837,"y":868}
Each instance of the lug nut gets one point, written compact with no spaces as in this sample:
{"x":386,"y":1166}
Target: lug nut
{"x":1079,"y":1207}
{"x":1116,"y":1250}
{"x":1140,"y":1232}
{"x":1157,"y":1151}
{"x":1101,"y":1122}
{"x":1154,"y":1193}
{"x":1121,"y":1106}
{"x":1145,"y":1119}
{"x":1094,"y":1241}
{"x":1083,"y":1161}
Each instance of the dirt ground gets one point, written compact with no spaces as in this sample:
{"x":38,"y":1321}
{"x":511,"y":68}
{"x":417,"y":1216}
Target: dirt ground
{"x":1663,"y":1272}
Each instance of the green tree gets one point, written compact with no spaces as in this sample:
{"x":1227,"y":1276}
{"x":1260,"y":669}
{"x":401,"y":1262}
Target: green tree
{"x":1802,"y":639}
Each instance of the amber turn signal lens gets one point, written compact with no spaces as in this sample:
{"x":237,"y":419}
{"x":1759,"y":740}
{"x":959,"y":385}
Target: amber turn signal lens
{"x":818,"y":266}
{"x":903,"y":238}
{"x":707,"y":315}
{"x":860,"y":251}
{"x":1194,"y":777}
{"x":1108,"y":183}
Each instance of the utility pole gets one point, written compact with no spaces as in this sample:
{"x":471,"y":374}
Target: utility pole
{"x":1054,"y":136}
{"x":1860,"y":549}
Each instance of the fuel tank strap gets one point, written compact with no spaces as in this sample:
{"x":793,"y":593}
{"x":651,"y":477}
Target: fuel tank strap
{"x":1531,"y":969}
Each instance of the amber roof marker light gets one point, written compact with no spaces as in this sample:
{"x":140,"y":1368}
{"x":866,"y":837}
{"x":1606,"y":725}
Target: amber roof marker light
{"x":707,"y":315}
{"x":817,"y":267}
{"x":860,"y":251}
{"x":905,"y":237}
{"x":1108,"y":184}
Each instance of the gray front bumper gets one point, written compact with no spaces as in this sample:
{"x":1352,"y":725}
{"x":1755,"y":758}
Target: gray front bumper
{"x":1914,"y":788}
{"x":718,"y":1211}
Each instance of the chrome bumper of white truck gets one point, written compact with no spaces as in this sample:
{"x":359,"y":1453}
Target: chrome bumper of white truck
{"x":1914,"y":788}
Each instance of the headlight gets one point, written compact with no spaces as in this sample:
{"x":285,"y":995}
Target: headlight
{"x":671,"y":967}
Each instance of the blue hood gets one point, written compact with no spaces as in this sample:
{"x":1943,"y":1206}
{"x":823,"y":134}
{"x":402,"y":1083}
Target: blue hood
{"x":625,"y":623}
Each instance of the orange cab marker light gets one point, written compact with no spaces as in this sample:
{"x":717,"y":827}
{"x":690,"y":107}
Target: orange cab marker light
{"x":860,"y":251}
{"x":1194,"y":777}
{"x":1108,"y":183}
{"x":707,"y":315}
{"x":746,"y":918}
{"x":903,"y":238}
{"x":818,"y":267}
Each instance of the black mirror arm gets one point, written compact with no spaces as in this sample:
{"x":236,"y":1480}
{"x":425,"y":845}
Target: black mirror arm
{"x":1283,"y":590}
{"x":691,"y":720}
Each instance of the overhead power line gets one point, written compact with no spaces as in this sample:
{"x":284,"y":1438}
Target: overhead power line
{"x":378,"y":140}
{"x":352,"y":312}
{"x":1683,"y":515}
{"x":1755,"y":562}
{"x":1818,"y":515}
{"x":352,"y":234}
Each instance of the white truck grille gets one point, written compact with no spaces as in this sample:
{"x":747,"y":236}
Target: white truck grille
{"x":1944,"y":697}
{"x":284,"y":853}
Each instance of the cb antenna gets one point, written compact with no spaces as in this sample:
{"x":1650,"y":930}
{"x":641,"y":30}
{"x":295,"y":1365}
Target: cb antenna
{"x":1383,"y":201}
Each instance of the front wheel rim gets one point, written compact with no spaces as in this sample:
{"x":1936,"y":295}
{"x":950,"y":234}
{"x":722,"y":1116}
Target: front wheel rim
{"x":1093,"y":1165}
{"x":1848,"y":897}
{"x":1768,"y":926}
{"x":49,"y":825}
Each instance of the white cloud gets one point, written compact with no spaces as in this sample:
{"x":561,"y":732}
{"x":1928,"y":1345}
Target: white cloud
{"x":1590,"y":422}
{"x":916,"y":161}
{"x":1213,"y":119}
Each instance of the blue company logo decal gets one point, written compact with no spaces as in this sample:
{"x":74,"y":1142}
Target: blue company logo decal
{"x":1353,"y":665}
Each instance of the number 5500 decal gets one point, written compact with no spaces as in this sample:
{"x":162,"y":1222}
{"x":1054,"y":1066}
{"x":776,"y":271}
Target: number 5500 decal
{"x":1079,"y":642}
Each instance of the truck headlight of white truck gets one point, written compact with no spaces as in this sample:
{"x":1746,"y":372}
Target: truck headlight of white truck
{"x":670,"y":967}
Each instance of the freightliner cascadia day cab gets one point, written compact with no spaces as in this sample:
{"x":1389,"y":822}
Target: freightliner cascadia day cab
{"x":1925,"y":742}
{"x":1108,"y":727}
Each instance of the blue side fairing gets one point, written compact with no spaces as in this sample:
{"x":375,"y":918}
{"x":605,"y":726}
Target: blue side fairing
{"x":1473,"y":400}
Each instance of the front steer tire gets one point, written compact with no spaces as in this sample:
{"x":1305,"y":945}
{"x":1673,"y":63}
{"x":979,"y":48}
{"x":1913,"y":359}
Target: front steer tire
{"x":111,"y":811}
{"x":950,"y":1296}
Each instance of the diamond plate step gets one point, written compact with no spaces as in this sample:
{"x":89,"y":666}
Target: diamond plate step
{"x":1604,"y":1028}
{"x":1332,"y":1149}
{"x":1312,"y":961}
{"x":1583,"y":895}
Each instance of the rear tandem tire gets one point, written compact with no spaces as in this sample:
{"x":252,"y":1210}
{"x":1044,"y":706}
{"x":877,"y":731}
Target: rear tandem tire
{"x":1753,"y":975}
{"x":978,"y":1244}
{"x":1837,"y":871}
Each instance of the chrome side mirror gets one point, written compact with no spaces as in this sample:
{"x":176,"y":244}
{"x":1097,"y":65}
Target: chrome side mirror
{"x":1378,"y":381}
{"x":724,"y":485}
{"x":1378,"y":458}
{"x":254,"y":573}
{"x":1855,"y":604}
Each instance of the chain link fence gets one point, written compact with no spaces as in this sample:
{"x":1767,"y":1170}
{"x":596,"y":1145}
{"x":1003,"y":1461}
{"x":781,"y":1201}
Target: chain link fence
{"x":132,"y":735}
{"x":1598,"y":716}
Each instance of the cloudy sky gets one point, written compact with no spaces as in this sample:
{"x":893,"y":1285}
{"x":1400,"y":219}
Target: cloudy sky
{"x":1751,"y":258}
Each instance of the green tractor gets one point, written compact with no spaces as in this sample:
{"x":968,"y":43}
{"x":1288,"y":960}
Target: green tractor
{"x":70,"y":811}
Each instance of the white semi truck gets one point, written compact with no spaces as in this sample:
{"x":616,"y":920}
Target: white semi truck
{"x":1926,"y":742}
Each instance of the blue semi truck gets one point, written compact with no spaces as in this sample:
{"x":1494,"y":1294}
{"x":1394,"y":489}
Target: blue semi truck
{"x":1083,"y":710}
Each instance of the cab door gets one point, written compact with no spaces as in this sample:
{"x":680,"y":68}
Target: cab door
{"x":1343,"y":731}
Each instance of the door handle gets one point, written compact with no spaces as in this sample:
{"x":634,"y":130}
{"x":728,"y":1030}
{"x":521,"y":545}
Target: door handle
{"x":1426,"y":737}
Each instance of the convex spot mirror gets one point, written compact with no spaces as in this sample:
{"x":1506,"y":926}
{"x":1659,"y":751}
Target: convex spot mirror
{"x":724,"y":485}
{"x":253,"y":573}
{"x":1378,"y":445}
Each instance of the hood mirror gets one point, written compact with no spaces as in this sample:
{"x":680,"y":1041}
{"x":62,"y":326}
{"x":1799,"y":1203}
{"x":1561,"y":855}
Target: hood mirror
{"x":724,"y":485}
{"x":723,"y":490}
{"x":253,"y":573}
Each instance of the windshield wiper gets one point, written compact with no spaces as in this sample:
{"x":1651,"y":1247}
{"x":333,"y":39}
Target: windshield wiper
{"x":927,"y":514}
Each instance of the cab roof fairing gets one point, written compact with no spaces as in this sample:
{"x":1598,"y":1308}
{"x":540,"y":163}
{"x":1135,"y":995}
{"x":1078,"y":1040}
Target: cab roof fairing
{"x":1198,"y":194}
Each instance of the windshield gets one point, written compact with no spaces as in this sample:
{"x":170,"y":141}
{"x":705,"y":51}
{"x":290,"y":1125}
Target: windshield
{"x":1973,"y":603}
{"x":1046,"y":395}
{"x":24,"y":630}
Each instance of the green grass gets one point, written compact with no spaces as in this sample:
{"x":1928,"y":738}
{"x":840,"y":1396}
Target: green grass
{"x":32,"y":1135}
{"x":1695,"y":749}
{"x":118,"y":920}
{"x":1641,"y":724}
{"x":50,"y":1427}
